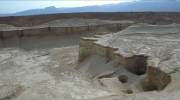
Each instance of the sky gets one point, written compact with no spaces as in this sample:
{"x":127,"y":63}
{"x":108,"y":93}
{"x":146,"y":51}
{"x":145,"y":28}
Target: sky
{"x":12,"y":6}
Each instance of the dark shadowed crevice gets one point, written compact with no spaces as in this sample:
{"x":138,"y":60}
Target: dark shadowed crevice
{"x":155,"y":79}
{"x":137,"y":64}
{"x":123,"y":78}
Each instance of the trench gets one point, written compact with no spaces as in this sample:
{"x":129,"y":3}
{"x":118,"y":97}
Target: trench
{"x":38,"y":39}
{"x":135,"y":76}
{"x":133,"y":73}
{"x":136,"y":64}
{"x":154,"y":79}
{"x":135,"y":68}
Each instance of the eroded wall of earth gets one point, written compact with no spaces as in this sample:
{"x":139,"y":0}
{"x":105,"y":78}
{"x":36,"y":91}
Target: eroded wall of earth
{"x":90,"y":59}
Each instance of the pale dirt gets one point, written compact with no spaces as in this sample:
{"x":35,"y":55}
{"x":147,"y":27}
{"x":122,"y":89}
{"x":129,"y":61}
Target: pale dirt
{"x":44,"y":74}
{"x":45,"y":69}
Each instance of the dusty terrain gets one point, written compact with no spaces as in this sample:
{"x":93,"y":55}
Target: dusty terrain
{"x":89,"y":59}
{"x":139,"y":17}
{"x":141,"y":60}
{"x":46,"y":74}
{"x":44,"y":67}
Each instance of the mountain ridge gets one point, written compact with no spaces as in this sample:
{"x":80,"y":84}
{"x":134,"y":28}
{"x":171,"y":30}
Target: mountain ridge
{"x":136,"y":6}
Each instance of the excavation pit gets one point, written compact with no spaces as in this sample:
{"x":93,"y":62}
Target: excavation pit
{"x":153,"y":79}
{"x":148,"y":53}
{"x":123,"y":78}
{"x":136,"y":64}
{"x":133,"y":73}
{"x":101,"y":59}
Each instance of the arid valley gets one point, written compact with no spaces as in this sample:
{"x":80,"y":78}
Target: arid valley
{"x":90,"y":56}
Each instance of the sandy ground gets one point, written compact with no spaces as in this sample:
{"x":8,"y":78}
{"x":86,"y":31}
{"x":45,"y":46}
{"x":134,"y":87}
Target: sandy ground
{"x":45,"y":68}
{"x":44,"y":74}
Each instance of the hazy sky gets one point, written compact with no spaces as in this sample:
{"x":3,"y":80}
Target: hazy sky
{"x":11,"y":6}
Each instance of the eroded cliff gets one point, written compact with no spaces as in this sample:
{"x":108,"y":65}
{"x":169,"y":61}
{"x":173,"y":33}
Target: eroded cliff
{"x":61,"y":29}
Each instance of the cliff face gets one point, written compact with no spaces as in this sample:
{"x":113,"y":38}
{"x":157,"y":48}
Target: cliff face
{"x":30,"y":56}
{"x":61,"y":28}
{"x":148,"y":51}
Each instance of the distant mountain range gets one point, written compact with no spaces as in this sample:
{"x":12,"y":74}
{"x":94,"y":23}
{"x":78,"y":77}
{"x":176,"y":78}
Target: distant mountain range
{"x":138,"y":6}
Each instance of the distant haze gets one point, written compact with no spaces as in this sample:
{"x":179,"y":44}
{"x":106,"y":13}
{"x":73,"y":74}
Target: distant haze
{"x":12,"y":6}
{"x":23,"y":8}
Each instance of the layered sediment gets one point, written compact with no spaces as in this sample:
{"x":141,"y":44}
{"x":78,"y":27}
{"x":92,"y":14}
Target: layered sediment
{"x":56,"y":32}
{"x":62,"y":27}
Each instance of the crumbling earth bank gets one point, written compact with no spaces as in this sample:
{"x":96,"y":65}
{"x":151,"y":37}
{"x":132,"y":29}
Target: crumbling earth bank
{"x":139,"y":62}
{"x":142,"y":57}
{"x":38,"y":63}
